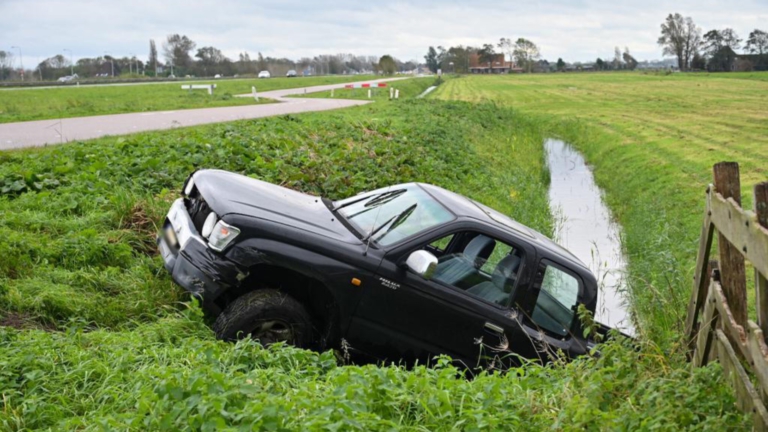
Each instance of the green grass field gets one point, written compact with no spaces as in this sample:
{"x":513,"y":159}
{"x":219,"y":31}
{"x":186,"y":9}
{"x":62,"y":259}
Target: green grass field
{"x":652,"y":140}
{"x":52,"y":103}
{"x":95,"y":335}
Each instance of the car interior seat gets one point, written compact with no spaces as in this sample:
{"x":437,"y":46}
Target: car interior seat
{"x":460,"y":266}
{"x":503,"y":279}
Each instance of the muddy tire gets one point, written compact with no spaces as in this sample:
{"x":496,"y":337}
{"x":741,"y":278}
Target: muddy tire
{"x":267,"y":315}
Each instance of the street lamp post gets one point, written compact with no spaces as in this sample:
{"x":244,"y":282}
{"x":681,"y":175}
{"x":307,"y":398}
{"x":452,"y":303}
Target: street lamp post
{"x":112,"y":61}
{"x":21,"y":62}
{"x":71,"y":62}
{"x":130,"y":63}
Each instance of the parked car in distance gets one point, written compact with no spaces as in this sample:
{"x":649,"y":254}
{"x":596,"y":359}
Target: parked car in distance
{"x":217,"y":76}
{"x":405,"y":272}
{"x":68,"y":78}
{"x":291,"y":74}
{"x":264,"y":74}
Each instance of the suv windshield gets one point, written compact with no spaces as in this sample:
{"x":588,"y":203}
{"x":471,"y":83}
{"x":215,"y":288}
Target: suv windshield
{"x":393,"y":214}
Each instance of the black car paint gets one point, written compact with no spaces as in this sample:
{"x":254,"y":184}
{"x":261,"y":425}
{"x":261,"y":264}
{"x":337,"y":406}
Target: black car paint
{"x":393,"y":313}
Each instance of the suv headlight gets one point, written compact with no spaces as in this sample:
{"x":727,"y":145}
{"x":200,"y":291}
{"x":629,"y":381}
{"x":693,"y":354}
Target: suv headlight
{"x":209,"y":225}
{"x":222,"y":235}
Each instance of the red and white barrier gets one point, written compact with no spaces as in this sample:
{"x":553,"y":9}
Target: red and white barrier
{"x":365,"y":85}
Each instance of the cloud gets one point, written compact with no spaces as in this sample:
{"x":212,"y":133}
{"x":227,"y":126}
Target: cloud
{"x":578,"y":30}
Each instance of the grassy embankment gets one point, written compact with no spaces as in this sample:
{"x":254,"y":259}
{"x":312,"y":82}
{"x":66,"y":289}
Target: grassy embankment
{"x":409,"y":88}
{"x":652,"y":141}
{"x":53,"y":103}
{"x":105,"y":342}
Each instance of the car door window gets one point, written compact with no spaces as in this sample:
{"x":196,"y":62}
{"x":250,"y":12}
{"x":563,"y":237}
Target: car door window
{"x":483,"y":267}
{"x":554,"y":310}
{"x":440,"y":245}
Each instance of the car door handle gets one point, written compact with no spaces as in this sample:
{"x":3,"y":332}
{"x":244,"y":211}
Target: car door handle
{"x":493,"y":328}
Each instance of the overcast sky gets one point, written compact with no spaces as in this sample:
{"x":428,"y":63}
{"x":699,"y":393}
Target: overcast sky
{"x":576,"y":30}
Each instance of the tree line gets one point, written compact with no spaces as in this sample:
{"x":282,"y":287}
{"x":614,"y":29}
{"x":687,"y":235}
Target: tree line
{"x":180,"y":56}
{"x":714,"y":50}
{"x":523,"y":53}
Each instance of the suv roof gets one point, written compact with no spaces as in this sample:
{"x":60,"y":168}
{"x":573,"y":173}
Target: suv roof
{"x":462,"y":206}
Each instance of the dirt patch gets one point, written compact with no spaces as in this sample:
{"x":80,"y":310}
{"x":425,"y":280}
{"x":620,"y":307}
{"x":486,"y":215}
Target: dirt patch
{"x":22,"y":321}
{"x":140,"y":222}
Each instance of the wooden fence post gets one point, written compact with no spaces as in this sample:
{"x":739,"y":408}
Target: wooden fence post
{"x":761,"y":285}
{"x":732,"y":270}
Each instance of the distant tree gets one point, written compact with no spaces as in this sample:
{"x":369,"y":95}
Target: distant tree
{"x":629,"y":61}
{"x":561,"y":64}
{"x":261,"y":63}
{"x":176,"y":49}
{"x":87,"y":67}
{"x":526,"y":54}
{"x":152,"y":55}
{"x":681,"y":38}
{"x":599,"y":64}
{"x":210,"y":57}
{"x":715,"y":40}
{"x":486,"y":54}
{"x":54,"y":67}
{"x":442,"y":58}
{"x":431,"y":58}
{"x":699,"y":62}
{"x":719,"y":46}
{"x":757,"y":42}
{"x":617,"y":62}
{"x":6,"y":64}
{"x":387,"y":65}
{"x":507,"y":47}
{"x":459,"y":56}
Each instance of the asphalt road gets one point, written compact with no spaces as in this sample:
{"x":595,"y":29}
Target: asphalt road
{"x":48,"y":132}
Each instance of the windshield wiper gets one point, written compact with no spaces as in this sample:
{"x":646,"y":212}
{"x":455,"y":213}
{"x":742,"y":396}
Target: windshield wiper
{"x":396,"y":221}
{"x":375,"y":200}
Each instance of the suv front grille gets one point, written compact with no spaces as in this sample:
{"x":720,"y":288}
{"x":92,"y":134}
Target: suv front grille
{"x":197,"y":208}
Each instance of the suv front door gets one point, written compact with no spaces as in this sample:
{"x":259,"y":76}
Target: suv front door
{"x":459,"y":314}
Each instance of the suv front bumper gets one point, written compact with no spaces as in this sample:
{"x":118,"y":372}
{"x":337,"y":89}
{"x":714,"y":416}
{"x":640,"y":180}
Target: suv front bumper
{"x":202,"y":272}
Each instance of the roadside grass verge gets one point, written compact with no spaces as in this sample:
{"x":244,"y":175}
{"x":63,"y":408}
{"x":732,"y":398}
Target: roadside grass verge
{"x":54,"y":103}
{"x":80,"y":218}
{"x":652,"y":141}
{"x":409,"y":88}
{"x":123,"y":349}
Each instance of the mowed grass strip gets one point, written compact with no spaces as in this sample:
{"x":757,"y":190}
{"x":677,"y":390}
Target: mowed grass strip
{"x":652,"y":140}
{"x":409,"y":88}
{"x":72,"y":101}
{"x":110,"y":343}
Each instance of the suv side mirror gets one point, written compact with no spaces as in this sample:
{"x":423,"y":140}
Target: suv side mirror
{"x":422,"y":263}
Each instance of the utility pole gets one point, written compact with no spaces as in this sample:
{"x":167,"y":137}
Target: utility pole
{"x":21,"y":62}
{"x":71,"y":63}
{"x":130,"y":63}
{"x":111,"y":60}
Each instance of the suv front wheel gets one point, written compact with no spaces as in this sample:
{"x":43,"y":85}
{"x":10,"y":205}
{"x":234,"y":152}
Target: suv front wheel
{"x":267,"y":315}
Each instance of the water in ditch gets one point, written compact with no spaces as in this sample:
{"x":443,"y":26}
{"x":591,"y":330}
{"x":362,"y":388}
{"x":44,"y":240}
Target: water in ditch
{"x":585,"y":227}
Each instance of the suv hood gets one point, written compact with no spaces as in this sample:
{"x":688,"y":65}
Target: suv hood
{"x":229,"y":193}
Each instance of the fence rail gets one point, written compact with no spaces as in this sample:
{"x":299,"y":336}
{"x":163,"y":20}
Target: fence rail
{"x":718,"y":326}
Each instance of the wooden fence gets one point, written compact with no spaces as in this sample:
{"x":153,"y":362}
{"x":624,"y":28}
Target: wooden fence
{"x":718,"y":325}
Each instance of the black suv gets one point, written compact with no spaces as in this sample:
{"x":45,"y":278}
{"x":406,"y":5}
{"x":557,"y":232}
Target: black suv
{"x":405,"y":272}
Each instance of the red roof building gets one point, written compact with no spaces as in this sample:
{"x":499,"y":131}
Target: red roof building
{"x":498,"y":65}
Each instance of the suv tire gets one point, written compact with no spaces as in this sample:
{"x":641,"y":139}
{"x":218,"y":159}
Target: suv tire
{"x":267,"y":315}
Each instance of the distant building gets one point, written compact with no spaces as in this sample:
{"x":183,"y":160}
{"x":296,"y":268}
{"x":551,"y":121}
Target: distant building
{"x":498,"y":65}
